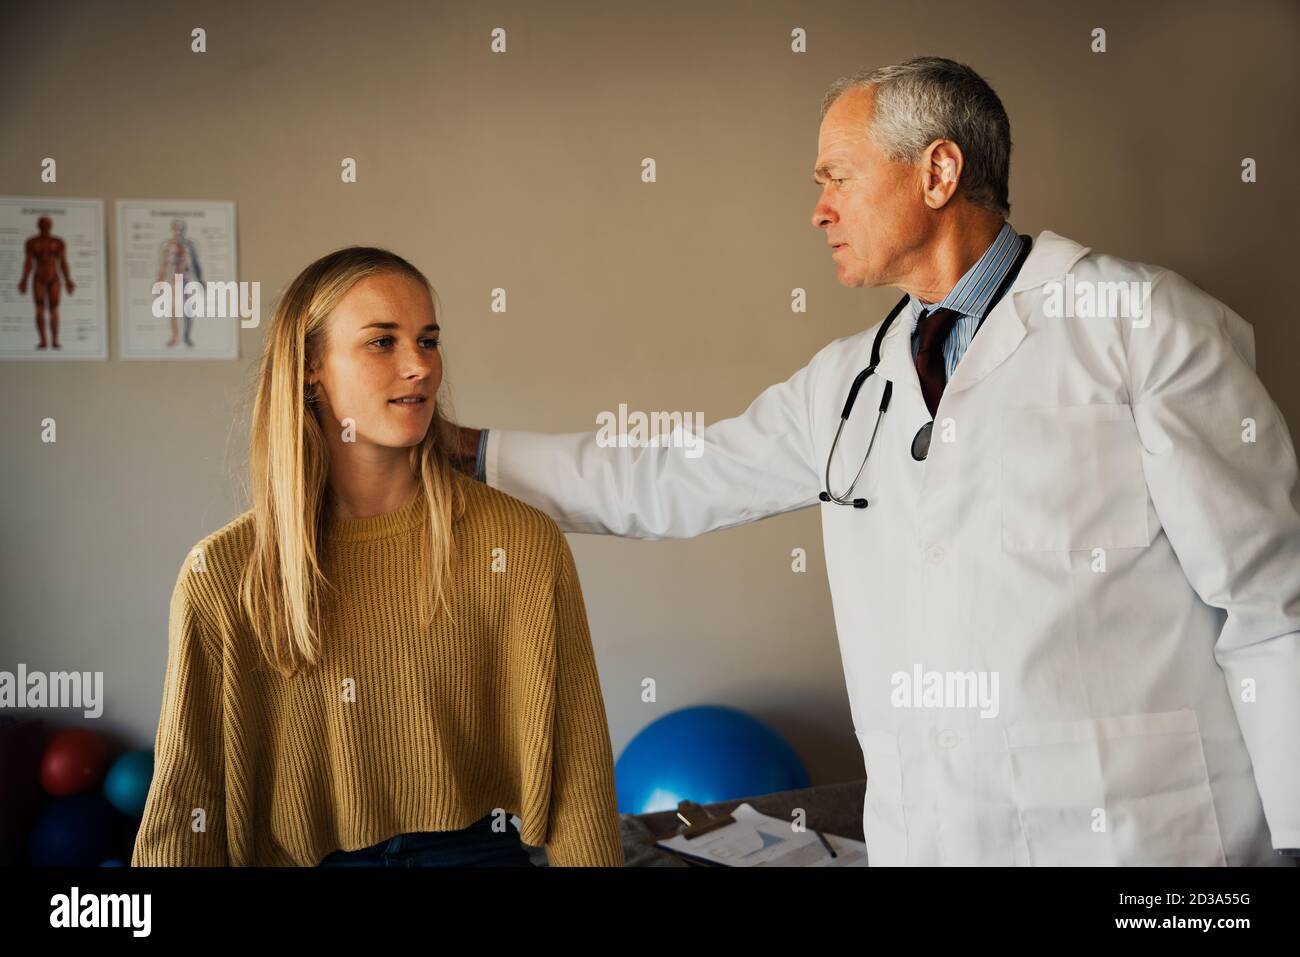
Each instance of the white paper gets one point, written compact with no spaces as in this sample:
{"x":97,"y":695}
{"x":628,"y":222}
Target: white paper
{"x":756,"y":840}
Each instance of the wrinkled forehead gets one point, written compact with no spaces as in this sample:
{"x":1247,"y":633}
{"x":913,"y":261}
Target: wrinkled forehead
{"x":843,"y":131}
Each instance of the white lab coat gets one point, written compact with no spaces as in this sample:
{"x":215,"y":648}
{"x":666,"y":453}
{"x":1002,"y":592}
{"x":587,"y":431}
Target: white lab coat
{"x":1096,"y":530}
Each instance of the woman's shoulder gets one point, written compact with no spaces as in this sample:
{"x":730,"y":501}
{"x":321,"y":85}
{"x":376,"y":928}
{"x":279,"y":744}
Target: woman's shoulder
{"x":211,"y":569}
{"x":234,"y":539}
{"x":491,"y":513}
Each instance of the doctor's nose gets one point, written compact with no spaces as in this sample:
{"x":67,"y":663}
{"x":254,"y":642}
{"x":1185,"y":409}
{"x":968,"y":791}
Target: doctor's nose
{"x":823,"y":215}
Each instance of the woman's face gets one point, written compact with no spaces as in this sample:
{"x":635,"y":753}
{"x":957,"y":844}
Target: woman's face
{"x":381,"y":345}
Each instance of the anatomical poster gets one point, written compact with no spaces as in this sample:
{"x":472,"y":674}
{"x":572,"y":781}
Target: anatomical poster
{"x":53,"y":292}
{"x":177,"y":293}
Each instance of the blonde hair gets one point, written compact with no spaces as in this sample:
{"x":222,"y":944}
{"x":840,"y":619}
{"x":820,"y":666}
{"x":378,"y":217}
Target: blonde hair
{"x":283,"y":589}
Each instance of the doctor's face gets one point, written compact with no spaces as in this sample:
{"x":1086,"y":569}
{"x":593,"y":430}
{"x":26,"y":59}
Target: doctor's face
{"x":381,"y":345}
{"x":872,"y":209}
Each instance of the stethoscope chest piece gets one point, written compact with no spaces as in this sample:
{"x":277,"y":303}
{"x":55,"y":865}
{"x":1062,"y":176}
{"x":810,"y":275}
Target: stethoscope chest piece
{"x":921,"y":441}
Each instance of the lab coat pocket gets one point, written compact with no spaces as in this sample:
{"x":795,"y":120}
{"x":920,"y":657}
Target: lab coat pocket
{"x":1129,"y":790}
{"x":1072,"y":478}
{"x":884,"y":822}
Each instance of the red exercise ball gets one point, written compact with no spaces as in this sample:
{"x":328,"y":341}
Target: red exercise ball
{"x":73,"y":762}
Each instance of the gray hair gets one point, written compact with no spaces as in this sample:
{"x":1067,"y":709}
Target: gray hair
{"x":928,"y":98}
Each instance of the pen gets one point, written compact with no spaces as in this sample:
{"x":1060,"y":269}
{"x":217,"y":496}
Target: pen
{"x":822,"y":837}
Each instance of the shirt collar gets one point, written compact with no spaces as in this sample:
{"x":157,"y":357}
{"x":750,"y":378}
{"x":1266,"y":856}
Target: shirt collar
{"x":973,"y":290}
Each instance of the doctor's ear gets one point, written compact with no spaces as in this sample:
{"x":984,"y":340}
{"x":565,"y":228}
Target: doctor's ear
{"x":941,"y":166}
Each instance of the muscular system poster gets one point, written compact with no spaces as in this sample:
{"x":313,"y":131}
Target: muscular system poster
{"x":53,"y":292}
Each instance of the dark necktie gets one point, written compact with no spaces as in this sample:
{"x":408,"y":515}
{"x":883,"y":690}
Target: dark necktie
{"x":935,"y":329}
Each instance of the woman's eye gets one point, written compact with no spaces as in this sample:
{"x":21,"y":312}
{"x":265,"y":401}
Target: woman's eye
{"x":384,"y":341}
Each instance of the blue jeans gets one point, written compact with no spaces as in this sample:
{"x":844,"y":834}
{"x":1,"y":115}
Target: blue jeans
{"x":475,"y":846}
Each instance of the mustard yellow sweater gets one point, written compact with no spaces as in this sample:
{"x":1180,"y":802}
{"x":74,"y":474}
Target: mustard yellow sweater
{"x":444,"y":725}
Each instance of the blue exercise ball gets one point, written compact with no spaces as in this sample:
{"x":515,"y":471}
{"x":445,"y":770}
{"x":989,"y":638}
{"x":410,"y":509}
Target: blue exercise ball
{"x":703,"y":754}
{"x":127,"y":783}
{"x":77,"y":831}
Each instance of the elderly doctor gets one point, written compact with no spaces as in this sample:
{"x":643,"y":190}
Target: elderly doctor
{"x":1061,"y":477}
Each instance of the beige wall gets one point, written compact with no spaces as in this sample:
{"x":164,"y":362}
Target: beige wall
{"x":521,"y":171}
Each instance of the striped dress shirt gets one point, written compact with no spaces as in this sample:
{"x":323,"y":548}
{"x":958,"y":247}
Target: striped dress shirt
{"x":969,"y":297}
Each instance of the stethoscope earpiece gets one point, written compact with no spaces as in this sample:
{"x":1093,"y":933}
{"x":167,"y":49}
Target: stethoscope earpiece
{"x":856,"y":503}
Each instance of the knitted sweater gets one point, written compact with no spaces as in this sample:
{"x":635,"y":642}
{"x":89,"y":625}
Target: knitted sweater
{"x":400,"y":728}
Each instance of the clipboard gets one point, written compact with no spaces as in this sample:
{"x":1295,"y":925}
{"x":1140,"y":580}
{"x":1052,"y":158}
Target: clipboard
{"x":748,"y":838}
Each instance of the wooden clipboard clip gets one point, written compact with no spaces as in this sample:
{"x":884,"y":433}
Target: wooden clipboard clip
{"x":696,"y":820}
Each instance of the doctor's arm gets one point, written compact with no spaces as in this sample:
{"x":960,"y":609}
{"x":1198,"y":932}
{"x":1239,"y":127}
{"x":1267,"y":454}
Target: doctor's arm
{"x":1221,"y":469}
{"x":737,"y":470}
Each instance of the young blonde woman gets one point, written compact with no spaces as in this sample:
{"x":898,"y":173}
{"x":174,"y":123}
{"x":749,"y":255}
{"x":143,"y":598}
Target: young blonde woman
{"x":383,"y":661}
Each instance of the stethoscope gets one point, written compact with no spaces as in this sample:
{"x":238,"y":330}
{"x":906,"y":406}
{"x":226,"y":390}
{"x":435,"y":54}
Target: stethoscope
{"x":920,"y":441}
